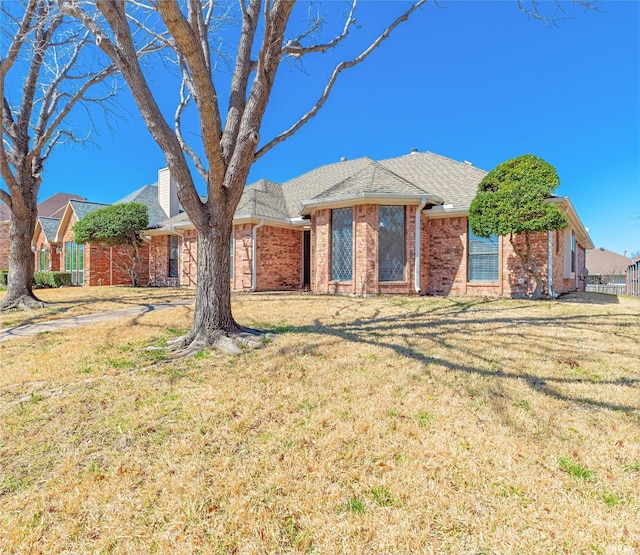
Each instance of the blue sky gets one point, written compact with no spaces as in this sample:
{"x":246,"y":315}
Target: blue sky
{"x":473,"y":81}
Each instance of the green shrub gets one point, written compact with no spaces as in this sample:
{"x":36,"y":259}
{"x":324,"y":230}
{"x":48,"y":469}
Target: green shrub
{"x":3,"y":277}
{"x":51,"y":279}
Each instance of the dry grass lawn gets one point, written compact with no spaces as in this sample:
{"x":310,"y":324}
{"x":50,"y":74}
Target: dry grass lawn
{"x":380,"y":425}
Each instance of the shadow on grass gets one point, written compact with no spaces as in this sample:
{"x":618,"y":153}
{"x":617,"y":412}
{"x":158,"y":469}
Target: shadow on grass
{"x":441,"y":325}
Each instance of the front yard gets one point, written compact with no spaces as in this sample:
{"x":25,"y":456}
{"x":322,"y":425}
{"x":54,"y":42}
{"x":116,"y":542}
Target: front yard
{"x":381,"y":425}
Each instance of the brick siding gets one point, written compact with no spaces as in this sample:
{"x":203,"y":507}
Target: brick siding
{"x":98,"y":269}
{"x":443,"y":251}
{"x":279,"y":259}
{"x":4,"y":245}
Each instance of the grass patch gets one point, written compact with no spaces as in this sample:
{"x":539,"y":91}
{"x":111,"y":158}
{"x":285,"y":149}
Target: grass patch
{"x":354,"y":505}
{"x":575,"y":469}
{"x":375,"y":425}
{"x":382,"y":497}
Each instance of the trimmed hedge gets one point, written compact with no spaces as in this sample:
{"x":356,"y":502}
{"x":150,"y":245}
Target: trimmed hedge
{"x":3,"y":277}
{"x":51,"y":279}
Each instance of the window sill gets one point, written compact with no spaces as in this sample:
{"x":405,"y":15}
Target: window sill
{"x":483,"y":283}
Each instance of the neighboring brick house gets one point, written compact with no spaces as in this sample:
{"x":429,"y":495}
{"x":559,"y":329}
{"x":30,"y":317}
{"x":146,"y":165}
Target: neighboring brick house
{"x":365,"y":227}
{"x":95,"y":264}
{"x":44,"y":246}
{"x":51,"y":207}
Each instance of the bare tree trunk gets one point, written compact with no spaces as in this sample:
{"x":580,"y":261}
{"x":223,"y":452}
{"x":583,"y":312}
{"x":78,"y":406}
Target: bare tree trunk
{"x":21,"y":259}
{"x":213,"y":323}
{"x":529,"y":264}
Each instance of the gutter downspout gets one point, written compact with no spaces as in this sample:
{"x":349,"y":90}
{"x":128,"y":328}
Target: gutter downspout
{"x":254,"y":252}
{"x":550,"y":263}
{"x":416,"y":263}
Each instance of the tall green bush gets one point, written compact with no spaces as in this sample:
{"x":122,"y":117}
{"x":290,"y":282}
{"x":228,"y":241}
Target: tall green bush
{"x":51,"y":279}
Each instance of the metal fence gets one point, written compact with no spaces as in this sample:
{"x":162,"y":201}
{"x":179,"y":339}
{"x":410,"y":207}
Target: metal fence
{"x":633,"y":279}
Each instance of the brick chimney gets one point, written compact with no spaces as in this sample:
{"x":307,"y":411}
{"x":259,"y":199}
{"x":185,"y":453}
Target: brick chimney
{"x":167,"y":193}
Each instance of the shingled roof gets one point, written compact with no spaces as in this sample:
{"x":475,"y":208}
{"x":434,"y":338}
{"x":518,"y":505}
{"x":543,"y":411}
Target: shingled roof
{"x":373,"y":179}
{"x":49,"y":227}
{"x":147,"y":195}
{"x":444,"y":180}
{"x":52,"y":207}
{"x":264,"y":198}
{"x":603,"y":262}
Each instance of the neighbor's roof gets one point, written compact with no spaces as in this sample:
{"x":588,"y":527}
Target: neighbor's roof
{"x":52,"y":207}
{"x":147,"y":195}
{"x":606,"y":263}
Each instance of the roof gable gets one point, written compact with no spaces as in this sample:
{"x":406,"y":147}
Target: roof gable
{"x":373,"y":178}
{"x":263,"y":198}
{"x":455,"y":182}
{"x":80,"y":209}
{"x":49,"y":227}
{"x":147,"y":195}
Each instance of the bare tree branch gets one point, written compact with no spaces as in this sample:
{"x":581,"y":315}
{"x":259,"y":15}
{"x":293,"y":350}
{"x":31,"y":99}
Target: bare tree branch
{"x":19,"y":38}
{"x":240,"y":80}
{"x":205,"y":95}
{"x":534,"y":12}
{"x":184,"y":101}
{"x":295,"y":48}
{"x":332,"y":79}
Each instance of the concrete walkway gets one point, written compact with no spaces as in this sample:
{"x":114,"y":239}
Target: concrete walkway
{"x":86,"y":319}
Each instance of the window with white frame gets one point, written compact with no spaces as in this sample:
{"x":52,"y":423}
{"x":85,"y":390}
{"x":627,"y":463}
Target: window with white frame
{"x":483,"y":258}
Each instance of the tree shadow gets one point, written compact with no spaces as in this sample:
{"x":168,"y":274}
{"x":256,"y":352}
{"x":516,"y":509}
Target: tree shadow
{"x":442,"y":326}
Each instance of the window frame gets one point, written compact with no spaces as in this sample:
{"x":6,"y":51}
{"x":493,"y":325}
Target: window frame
{"x":173,"y":270}
{"x":335,"y":238}
{"x":492,"y":253}
{"x":403,"y":241}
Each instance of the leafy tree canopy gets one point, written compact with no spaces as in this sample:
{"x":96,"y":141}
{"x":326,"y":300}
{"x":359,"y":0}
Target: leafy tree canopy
{"x":513,"y":199}
{"x":115,"y":226}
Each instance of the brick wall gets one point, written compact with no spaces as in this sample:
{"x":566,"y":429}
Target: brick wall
{"x":365,"y":254}
{"x":98,"y":268}
{"x":159,"y":262}
{"x":188,"y":258}
{"x":512,"y":266}
{"x":4,"y":245}
{"x":562,"y":284}
{"x":242,"y":253}
{"x":445,"y":259}
{"x":107,"y":266}
{"x":279,"y":259}
{"x":320,"y":250}
{"x":444,"y":255}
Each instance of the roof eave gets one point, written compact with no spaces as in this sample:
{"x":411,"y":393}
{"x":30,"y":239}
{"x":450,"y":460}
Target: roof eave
{"x":581,"y":232}
{"x":309,"y":206}
{"x":447,"y":211}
